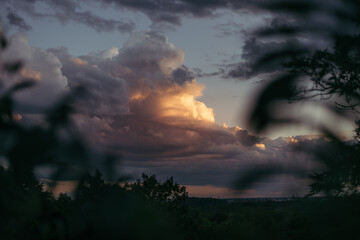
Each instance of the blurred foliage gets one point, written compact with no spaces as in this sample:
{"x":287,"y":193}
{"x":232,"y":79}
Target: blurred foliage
{"x":98,"y":211}
{"x":331,"y":77}
{"x":331,"y":73}
{"x":342,"y":176}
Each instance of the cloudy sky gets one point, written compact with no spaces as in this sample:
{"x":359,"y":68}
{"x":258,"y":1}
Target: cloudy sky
{"x":168,"y":86}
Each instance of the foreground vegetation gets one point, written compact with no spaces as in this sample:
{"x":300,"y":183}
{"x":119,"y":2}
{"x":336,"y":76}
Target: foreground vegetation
{"x":148,"y":209}
{"x":316,"y":218}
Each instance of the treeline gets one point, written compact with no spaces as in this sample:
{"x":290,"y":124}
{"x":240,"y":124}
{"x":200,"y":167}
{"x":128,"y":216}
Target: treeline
{"x":98,"y":210}
{"x":145,"y":209}
{"x":149,"y":209}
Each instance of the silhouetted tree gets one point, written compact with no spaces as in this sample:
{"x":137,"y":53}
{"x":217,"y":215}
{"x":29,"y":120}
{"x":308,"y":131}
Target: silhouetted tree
{"x":331,"y":73}
{"x":150,"y":188}
{"x":334,"y":74}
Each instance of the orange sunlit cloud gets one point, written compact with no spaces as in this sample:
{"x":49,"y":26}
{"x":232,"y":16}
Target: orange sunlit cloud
{"x":79,"y":61}
{"x":32,"y":74}
{"x":260,"y":145}
{"x":180,"y":101}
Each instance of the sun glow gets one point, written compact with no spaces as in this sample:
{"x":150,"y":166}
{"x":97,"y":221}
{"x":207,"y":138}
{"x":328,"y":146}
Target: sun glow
{"x":261,"y":146}
{"x":180,"y":101}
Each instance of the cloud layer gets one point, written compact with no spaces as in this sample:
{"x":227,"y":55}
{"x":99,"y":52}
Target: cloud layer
{"x":140,"y":101}
{"x":297,"y":25}
{"x":62,"y":11}
{"x":159,"y":12}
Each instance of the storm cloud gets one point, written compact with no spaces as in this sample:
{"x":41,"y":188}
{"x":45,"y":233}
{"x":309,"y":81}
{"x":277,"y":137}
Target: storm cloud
{"x":147,"y":109}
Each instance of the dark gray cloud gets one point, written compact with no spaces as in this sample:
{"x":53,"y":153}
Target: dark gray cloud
{"x":98,"y":23}
{"x":200,"y":74}
{"x":182,"y":75}
{"x":18,"y":21}
{"x":63,"y":11}
{"x":173,"y":11}
{"x":103,"y":93}
{"x":247,"y":139}
{"x":259,"y":57}
{"x":267,"y":47}
{"x":159,"y":12}
{"x":221,"y":165}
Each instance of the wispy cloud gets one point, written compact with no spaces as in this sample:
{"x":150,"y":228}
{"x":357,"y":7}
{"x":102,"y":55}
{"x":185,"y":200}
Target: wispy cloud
{"x":64,"y":12}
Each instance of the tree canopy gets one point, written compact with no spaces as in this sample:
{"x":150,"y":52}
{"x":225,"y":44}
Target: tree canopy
{"x":150,"y":188}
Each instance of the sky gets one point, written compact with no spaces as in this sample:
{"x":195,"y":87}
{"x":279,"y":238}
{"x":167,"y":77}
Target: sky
{"x":169,"y":87}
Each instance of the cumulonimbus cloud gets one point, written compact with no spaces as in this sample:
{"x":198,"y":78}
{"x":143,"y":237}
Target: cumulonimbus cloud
{"x":143,"y":103}
{"x":166,"y":130}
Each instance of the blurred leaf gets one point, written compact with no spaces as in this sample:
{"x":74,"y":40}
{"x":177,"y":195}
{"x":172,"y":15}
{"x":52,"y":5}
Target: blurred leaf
{"x":281,"y":30}
{"x":23,"y":85}
{"x":59,"y":115}
{"x":279,"y":56}
{"x":282,"y":88}
{"x":3,"y":41}
{"x":12,"y":67}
